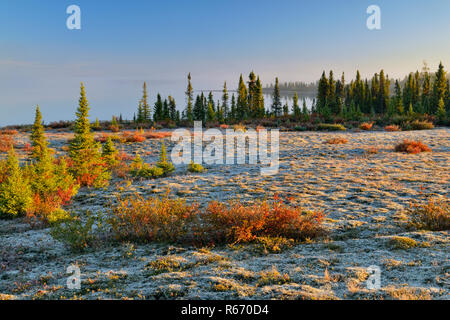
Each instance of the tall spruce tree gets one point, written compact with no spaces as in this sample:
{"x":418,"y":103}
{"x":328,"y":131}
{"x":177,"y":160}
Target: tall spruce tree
{"x":189,"y":95}
{"x":399,"y":109}
{"x":158,"y":109}
{"x":225,"y":100}
{"x":276,"y":99}
{"x":322,"y":93}
{"x":38,"y":140}
{"x":242,"y":99}
{"x":439,"y":87}
{"x":146,"y":116}
{"x":259,"y":98}
{"x":233,"y":112}
{"x":172,"y":109}
{"x":84,"y":151}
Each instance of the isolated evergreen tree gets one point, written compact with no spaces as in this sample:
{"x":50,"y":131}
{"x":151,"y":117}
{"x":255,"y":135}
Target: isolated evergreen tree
{"x":84,"y":151}
{"x":163,"y":162}
{"x":109,"y":152}
{"x":146,"y":116}
{"x":189,"y":94}
{"x":276,"y":100}
{"x":38,"y":140}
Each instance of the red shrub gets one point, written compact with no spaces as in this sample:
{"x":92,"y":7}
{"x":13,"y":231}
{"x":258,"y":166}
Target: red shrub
{"x":235,"y":222}
{"x":366,"y":126}
{"x":9,"y":132}
{"x":157,"y":135}
{"x":6,"y":143}
{"x":392,"y":128}
{"x":413,"y":147}
{"x":114,"y":128}
{"x":27,"y":148}
{"x":133,"y":136}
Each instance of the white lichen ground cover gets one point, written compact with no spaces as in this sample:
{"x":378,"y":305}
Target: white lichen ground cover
{"x":363,"y":194}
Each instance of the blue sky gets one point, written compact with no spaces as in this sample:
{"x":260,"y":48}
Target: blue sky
{"x":123,"y":43}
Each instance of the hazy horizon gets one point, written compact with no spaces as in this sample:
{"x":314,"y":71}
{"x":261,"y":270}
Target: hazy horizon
{"x":122,"y":44}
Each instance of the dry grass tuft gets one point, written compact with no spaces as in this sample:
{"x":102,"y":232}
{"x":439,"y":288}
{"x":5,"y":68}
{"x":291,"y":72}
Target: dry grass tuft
{"x":337,"y":140}
{"x":433,"y":215}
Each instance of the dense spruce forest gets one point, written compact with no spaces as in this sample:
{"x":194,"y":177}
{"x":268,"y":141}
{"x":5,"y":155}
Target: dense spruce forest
{"x":420,"y":94}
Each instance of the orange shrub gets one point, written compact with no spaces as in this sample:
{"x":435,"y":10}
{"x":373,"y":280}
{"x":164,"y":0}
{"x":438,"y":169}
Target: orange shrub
{"x":157,"y":135}
{"x":392,"y":128}
{"x":372,"y":150}
{"x":114,"y":128}
{"x":104,"y":137}
{"x":133,"y":136}
{"x":336,"y":141}
{"x":366,"y":126}
{"x":413,"y":147}
{"x":6,"y":143}
{"x":9,"y":132}
{"x":152,"y":219}
{"x":235,"y":222}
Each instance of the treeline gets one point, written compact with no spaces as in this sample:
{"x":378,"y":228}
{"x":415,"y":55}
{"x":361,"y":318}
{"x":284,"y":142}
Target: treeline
{"x":295,"y":86}
{"x":421,"y":93}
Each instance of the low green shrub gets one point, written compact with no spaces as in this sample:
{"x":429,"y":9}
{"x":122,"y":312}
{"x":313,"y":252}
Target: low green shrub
{"x":330,"y":127}
{"x":15,"y":190}
{"x":195,"y":167}
{"x":76,"y":232}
